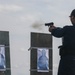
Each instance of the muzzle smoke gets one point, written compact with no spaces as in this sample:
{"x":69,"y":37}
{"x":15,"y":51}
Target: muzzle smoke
{"x":37,"y":25}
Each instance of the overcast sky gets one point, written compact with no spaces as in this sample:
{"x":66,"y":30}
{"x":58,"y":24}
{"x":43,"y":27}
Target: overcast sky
{"x":18,"y":17}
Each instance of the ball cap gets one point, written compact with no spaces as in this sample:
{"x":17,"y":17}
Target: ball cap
{"x":73,"y":13}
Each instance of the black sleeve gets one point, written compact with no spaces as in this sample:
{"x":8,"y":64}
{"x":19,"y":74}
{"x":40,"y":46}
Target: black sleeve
{"x":58,"y":32}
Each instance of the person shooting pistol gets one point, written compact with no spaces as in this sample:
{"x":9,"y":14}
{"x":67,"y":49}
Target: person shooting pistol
{"x":67,"y":50}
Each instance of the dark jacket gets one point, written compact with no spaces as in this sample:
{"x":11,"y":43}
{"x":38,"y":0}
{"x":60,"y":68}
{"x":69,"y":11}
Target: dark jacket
{"x":68,"y":43}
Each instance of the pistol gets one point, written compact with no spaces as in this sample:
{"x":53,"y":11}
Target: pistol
{"x":49,"y":24}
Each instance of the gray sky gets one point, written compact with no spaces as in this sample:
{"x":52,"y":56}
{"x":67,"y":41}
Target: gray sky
{"x":17,"y":17}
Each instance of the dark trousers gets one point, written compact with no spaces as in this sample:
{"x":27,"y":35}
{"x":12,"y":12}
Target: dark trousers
{"x":67,"y":65}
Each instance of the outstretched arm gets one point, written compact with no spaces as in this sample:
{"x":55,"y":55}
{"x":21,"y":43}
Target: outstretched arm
{"x":57,"y":31}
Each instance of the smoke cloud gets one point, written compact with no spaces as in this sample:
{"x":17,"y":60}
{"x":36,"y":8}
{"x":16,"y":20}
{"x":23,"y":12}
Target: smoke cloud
{"x":37,"y":25}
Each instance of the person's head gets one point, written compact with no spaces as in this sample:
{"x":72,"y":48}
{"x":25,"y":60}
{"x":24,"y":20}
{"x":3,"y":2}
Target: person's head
{"x":72,"y":17}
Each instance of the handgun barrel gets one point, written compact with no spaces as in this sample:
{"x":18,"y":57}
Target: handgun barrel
{"x":49,"y":24}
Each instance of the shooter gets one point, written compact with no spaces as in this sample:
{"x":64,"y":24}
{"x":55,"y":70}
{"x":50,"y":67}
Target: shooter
{"x":67,"y":50}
